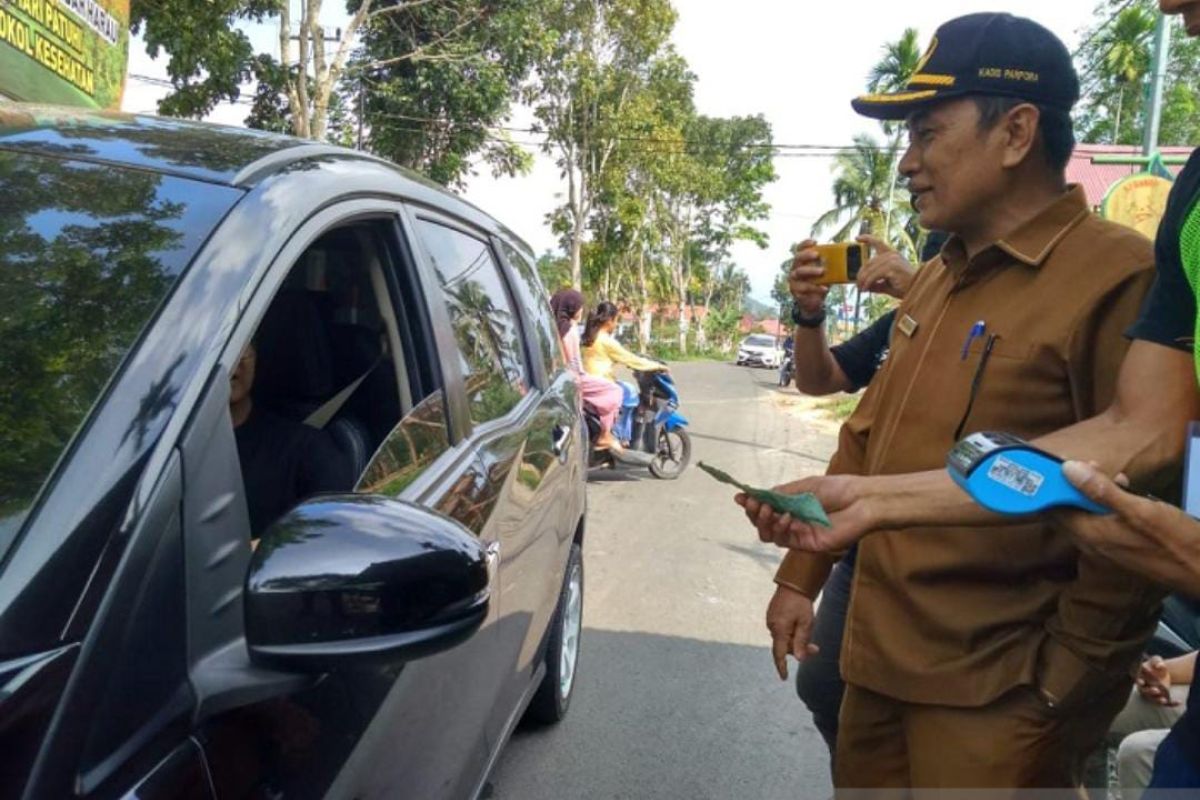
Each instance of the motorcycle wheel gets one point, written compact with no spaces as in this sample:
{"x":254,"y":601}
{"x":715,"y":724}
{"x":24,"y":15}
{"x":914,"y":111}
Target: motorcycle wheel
{"x":673,"y":455}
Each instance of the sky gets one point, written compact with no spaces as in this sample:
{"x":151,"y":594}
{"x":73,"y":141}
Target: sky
{"x":798,"y":63}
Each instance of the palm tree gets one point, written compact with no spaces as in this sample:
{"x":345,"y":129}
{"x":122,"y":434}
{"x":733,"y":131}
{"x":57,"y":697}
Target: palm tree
{"x":892,"y":74}
{"x":899,"y":63}
{"x":863,"y":191}
{"x":1125,"y":58}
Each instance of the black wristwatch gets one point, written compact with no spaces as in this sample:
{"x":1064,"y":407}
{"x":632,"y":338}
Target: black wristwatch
{"x":807,"y":322}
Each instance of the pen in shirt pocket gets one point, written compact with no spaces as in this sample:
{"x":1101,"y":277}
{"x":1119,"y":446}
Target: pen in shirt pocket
{"x":977,"y":330}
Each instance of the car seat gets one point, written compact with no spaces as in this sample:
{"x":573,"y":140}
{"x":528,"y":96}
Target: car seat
{"x":295,"y":374}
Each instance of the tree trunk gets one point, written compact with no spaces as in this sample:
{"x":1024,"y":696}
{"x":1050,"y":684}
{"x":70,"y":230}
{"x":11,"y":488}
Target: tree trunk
{"x":645,"y":317}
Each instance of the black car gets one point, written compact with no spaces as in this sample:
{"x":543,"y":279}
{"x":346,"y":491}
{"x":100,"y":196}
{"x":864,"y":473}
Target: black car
{"x":291,"y":471}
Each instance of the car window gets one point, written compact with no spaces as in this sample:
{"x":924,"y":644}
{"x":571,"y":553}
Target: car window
{"x":534,"y":298}
{"x":87,"y":254}
{"x":761,"y":341}
{"x":481,"y":314}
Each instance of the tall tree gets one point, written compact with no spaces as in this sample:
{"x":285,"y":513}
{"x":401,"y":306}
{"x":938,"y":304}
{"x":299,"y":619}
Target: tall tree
{"x":440,"y":115}
{"x":1114,"y":67}
{"x":891,"y":74}
{"x":898,"y":64}
{"x":210,"y":58}
{"x":600,"y":54}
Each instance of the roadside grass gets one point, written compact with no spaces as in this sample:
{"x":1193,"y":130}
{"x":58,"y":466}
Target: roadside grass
{"x":840,"y":407}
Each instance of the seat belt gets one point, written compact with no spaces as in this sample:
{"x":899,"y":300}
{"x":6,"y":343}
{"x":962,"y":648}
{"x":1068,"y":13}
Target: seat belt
{"x":320,"y":418}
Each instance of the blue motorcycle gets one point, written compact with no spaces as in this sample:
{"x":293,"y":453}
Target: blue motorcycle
{"x":651,"y":427}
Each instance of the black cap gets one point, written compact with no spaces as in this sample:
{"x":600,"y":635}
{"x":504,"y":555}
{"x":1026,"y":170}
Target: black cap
{"x":995,"y":54}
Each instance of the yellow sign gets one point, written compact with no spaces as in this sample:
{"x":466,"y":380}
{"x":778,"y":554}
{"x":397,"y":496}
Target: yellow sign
{"x":1138,"y":201}
{"x":68,"y":52}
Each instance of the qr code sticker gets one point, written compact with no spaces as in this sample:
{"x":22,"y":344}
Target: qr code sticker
{"x":1014,"y":476}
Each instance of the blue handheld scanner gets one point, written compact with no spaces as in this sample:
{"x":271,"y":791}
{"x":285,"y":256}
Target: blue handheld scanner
{"x":1008,"y":475}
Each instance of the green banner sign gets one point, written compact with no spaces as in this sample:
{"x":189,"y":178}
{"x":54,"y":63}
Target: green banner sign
{"x":68,"y":52}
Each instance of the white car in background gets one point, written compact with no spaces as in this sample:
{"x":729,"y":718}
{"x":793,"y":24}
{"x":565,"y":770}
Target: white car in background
{"x":759,"y":350}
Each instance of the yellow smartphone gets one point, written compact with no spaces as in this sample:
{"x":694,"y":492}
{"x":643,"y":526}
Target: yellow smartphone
{"x":841,"y":262}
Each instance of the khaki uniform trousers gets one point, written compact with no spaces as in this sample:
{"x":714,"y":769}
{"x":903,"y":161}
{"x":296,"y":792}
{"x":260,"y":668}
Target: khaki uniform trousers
{"x":1015,"y":742}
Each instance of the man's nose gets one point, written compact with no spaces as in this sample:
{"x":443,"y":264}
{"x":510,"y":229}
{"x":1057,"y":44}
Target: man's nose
{"x":909,"y":163}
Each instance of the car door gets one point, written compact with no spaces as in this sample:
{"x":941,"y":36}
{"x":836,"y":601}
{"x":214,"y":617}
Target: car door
{"x":517,"y":431}
{"x":554,"y":450}
{"x":400,"y":730}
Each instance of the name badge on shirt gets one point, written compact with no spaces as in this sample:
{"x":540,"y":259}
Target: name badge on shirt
{"x":907,"y":325}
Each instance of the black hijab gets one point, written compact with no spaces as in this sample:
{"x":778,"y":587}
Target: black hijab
{"x":566,"y":303}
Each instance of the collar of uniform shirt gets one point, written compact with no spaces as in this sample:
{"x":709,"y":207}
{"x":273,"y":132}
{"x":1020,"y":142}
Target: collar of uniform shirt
{"x":1031,"y":243}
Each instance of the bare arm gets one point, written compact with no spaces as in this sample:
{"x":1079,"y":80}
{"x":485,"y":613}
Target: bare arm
{"x":817,"y":371}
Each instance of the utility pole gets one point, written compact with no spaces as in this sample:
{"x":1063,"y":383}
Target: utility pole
{"x":1162,"y":52}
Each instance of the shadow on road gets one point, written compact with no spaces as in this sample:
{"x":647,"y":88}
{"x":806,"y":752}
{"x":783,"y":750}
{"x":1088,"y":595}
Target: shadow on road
{"x":669,"y":717}
{"x":766,"y":558}
{"x":757,"y":446}
{"x":604,"y":475}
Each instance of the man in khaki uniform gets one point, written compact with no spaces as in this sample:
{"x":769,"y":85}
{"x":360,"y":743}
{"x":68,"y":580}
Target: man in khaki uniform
{"x":994,"y":656}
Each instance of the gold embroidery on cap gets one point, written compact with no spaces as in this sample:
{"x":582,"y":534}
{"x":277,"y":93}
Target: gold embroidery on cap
{"x":930,"y":79}
{"x":902,"y":97}
{"x":1010,"y":74}
{"x":929,"y":51}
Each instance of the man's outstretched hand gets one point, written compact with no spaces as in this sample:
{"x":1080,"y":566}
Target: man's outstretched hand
{"x":837,"y":493}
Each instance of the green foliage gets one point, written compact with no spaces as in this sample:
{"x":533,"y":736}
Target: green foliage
{"x":1114,"y":66}
{"x":868,"y":197}
{"x":438,"y":115}
{"x":555,"y":272}
{"x":209,"y":58}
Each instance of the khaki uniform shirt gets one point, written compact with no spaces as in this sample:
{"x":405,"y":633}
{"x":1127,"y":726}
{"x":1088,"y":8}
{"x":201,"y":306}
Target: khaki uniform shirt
{"x":959,"y":616}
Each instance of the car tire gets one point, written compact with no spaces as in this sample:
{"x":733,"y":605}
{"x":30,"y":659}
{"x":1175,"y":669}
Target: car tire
{"x":553,"y":696}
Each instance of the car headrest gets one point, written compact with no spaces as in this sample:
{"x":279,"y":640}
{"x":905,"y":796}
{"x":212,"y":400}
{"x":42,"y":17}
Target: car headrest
{"x":295,"y":356}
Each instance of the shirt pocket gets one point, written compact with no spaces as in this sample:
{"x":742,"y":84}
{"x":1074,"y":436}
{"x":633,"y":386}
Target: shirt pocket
{"x":1019,"y":386}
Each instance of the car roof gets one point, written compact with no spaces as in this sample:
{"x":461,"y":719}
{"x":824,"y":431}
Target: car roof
{"x":238,"y":157}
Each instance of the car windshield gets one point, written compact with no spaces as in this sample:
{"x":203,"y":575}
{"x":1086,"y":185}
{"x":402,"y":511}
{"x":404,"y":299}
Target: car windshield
{"x":760,"y":341}
{"x":87,"y":254}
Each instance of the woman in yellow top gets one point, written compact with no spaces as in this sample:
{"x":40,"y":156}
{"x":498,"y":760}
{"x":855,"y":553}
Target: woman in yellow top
{"x":601,"y":350}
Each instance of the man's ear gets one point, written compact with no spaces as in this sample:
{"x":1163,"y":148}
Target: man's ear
{"x":1020,"y":130}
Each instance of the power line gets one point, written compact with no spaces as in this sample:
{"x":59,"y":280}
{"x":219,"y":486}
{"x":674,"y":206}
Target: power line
{"x":653,"y":145}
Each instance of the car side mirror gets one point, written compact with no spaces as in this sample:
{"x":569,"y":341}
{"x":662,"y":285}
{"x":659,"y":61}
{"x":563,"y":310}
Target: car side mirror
{"x":345,"y":580}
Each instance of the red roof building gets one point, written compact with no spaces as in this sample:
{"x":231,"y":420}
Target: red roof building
{"x":1096,"y":179}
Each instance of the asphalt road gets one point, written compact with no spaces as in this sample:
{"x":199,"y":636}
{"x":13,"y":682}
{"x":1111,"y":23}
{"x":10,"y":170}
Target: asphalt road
{"x":676,"y":694}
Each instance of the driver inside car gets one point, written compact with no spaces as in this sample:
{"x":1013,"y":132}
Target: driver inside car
{"x":283,"y":461}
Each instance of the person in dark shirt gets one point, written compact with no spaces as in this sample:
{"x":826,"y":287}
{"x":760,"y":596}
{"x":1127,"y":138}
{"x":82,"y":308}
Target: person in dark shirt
{"x":283,"y":461}
{"x":1146,"y":535}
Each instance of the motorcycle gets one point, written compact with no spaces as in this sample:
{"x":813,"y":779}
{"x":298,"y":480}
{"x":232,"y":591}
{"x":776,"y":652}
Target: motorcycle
{"x":650,"y":426}
{"x":786,"y":371}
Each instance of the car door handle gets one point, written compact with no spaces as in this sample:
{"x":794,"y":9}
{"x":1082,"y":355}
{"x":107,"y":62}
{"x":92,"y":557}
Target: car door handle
{"x":562,"y":440}
{"x":492,"y":554}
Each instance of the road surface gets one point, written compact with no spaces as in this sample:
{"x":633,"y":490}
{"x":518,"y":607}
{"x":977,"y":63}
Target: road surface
{"x":676,"y":694}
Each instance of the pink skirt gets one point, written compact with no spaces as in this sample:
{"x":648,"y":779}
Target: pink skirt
{"x":604,"y":397}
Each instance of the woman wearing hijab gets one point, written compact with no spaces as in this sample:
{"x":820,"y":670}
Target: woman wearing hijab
{"x":603,"y":396}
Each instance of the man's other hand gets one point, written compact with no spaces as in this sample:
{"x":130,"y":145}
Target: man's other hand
{"x":790,"y":621}
{"x":887,"y":272}
{"x":1143,"y":535}
{"x":1154,"y":682}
